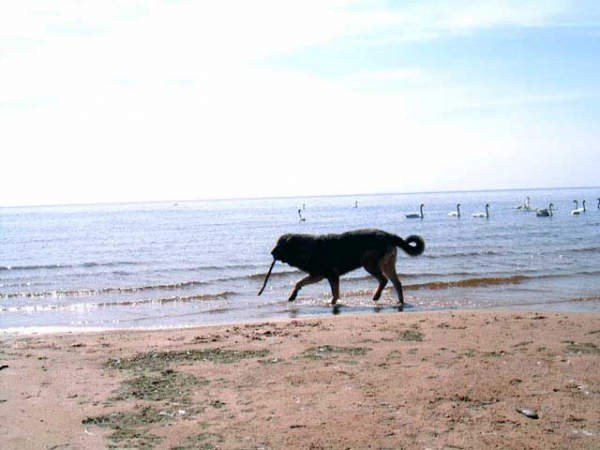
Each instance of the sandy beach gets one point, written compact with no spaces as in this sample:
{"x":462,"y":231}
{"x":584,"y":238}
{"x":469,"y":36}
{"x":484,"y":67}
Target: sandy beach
{"x":444,"y":380}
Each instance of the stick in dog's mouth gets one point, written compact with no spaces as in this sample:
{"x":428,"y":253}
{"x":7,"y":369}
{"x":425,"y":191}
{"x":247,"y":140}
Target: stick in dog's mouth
{"x":267,"y":277}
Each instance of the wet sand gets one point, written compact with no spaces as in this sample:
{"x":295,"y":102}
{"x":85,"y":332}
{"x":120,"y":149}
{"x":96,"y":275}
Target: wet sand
{"x":444,"y":380}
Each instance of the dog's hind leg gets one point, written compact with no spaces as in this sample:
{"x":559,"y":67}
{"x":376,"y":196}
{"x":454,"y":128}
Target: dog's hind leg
{"x":382,"y":283}
{"x":309,"y":279}
{"x":373,"y":268}
{"x":334,"y":282}
{"x":388,"y":267}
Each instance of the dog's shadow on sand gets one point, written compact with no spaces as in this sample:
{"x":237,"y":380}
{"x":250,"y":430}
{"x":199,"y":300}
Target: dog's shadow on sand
{"x":340,"y":308}
{"x":337,"y":309}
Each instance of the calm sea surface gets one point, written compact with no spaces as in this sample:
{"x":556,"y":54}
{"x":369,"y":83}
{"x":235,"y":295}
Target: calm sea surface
{"x":195,"y":263}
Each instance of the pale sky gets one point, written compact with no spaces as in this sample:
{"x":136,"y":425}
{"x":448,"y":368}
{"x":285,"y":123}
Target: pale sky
{"x":108,"y":101}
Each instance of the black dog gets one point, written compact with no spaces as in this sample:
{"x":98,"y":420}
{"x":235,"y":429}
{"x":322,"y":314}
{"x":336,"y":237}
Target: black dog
{"x":332,"y":255}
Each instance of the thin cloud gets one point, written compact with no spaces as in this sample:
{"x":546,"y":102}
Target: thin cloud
{"x":431,"y":20}
{"x":539,"y":99}
{"x":394,"y":75}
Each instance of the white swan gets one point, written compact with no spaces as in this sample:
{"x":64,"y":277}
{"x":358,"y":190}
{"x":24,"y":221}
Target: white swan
{"x":484,"y":215}
{"x":576,"y":207}
{"x":525,"y":206}
{"x":416,"y":215}
{"x":455,"y":213}
{"x":578,"y":210}
{"x":546,"y":212}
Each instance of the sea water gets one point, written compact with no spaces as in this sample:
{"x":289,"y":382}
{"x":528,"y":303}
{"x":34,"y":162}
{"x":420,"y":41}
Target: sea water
{"x":196,"y":263}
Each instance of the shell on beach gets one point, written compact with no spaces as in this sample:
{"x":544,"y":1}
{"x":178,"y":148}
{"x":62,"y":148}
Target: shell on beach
{"x":531,"y":413}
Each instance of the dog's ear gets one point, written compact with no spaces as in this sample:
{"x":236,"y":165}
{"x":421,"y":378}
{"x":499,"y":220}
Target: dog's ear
{"x":301,"y":247}
{"x":285,"y":240}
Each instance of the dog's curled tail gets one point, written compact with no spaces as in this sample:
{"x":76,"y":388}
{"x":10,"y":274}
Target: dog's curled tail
{"x":412,"y":245}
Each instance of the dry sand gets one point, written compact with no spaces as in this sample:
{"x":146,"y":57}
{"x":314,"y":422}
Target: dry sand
{"x":447,"y":380}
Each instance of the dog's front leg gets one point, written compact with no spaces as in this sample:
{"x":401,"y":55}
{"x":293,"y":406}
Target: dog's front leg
{"x":309,"y":279}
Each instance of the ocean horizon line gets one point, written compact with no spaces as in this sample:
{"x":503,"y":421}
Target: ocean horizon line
{"x":284,"y":197}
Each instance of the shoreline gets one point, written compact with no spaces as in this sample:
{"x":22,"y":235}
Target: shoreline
{"x":445,"y":379}
{"x":321,"y":311}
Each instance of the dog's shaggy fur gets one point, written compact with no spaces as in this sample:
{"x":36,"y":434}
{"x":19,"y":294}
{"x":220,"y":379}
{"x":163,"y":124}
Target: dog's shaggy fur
{"x":332,"y":255}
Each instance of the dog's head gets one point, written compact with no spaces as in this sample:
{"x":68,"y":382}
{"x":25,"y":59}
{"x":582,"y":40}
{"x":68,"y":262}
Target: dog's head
{"x":291,"y":248}
{"x":282,"y":247}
